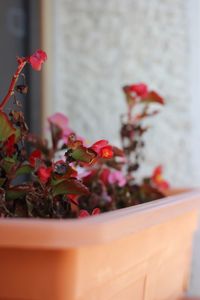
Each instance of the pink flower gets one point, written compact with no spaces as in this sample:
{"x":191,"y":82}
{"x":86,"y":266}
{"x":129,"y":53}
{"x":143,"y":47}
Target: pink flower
{"x":62,"y":122}
{"x":37,"y":59}
{"x":117,"y":177}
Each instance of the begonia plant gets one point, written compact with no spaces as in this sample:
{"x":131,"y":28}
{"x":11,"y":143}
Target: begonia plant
{"x":36,"y":184}
{"x":64,"y":177}
{"x":113,"y":183}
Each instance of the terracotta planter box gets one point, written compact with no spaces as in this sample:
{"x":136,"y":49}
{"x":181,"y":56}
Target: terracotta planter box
{"x":137,"y":253}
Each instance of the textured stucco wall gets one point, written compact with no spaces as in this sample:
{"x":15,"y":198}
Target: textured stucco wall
{"x":102,"y":45}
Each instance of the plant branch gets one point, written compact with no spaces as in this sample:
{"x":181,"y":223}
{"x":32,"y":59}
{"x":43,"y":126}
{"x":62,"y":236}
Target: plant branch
{"x":20,"y":67}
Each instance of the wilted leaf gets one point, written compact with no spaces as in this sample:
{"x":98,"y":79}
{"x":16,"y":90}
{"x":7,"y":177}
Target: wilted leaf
{"x":56,"y":134}
{"x":22,"y":89}
{"x":118,"y":152}
{"x":70,"y":186}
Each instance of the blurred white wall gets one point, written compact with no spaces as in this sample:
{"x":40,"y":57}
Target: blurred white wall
{"x":102,"y":45}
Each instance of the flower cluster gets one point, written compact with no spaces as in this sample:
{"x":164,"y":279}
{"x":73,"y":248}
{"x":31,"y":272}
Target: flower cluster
{"x":65,"y":177}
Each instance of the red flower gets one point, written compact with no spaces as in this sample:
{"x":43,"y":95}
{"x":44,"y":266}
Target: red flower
{"x":104,"y":175}
{"x":37,"y":59}
{"x":84,"y":213}
{"x":157,"y":179}
{"x":9,"y":145}
{"x":44,"y":173}
{"x":103,"y":149}
{"x":140,"y":89}
{"x":35,"y":155}
{"x":106,"y":152}
{"x":96,"y":211}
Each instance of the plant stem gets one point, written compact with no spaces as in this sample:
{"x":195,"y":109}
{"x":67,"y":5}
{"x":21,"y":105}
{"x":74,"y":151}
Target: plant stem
{"x":12,"y":84}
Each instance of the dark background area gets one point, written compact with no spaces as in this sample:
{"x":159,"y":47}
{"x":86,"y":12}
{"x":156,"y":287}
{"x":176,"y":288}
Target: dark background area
{"x":20,"y":35}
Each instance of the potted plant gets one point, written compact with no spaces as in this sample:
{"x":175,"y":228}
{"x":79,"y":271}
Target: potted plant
{"x":138,"y":252}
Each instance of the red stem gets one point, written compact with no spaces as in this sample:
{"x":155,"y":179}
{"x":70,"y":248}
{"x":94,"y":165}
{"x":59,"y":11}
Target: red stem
{"x":12,"y":84}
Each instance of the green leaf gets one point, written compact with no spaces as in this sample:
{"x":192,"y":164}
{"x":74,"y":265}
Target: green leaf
{"x":70,"y":186}
{"x":6,"y":127}
{"x":83,"y":154}
{"x":24,"y":169}
{"x":8,"y":163}
{"x":17,"y":191}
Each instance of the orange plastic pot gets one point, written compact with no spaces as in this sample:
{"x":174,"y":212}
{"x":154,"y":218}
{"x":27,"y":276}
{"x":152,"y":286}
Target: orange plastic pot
{"x":136,"y":253}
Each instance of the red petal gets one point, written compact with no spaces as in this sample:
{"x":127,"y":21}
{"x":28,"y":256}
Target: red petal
{"x":96,"y":211}
{"x":36,"y":60}
{"x":106,"y":152}
{"x":36,"y":154}
{"x":83,"y":213}
{"x":98,"y":145}
{"x":141,"y":89}
{"x":157,"y":171}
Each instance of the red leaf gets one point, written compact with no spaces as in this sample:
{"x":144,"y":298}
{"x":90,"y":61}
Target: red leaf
{"x":153,"y":97}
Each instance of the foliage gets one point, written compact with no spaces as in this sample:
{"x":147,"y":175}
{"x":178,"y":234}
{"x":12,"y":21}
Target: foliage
{"x":113,"y":184}
{"x":47,"y":182}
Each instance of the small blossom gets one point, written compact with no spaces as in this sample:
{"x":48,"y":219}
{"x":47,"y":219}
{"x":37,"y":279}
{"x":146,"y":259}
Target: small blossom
{"x":61,"y":121}
{"x":117,"y":177}
{"x":84,"y":213}
{"x":35,"y":155}
{"x":37,"y":59}
{"x":103,"y":149}
{"x":140,"y":89}
{"x":106,"y":152}
{"x":157,"y":179}
{"x":44,"y":173}
{"x":96,"y":211}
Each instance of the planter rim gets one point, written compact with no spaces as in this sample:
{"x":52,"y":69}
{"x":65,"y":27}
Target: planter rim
{"x":63,"y":234}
